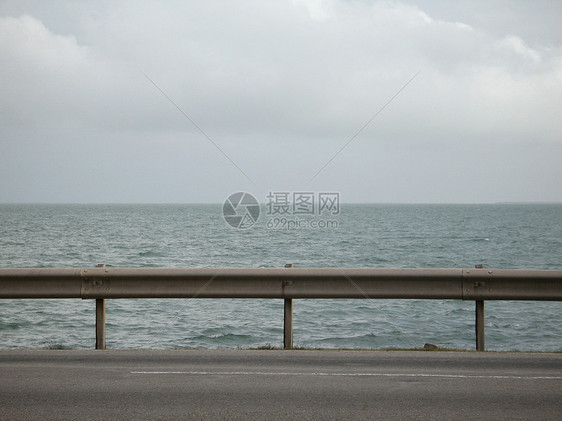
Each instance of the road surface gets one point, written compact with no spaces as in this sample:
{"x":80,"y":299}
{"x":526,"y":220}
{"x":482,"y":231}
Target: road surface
{"x":249,"y":384}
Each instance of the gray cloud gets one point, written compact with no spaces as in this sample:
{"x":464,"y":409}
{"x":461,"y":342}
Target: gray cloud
{"x":280,"y":87}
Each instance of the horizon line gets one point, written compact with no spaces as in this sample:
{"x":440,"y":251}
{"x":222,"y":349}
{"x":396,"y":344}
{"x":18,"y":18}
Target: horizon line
{"x":264,"y":203}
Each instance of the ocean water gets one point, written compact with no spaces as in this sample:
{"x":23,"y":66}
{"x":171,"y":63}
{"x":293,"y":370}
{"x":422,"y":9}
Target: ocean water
{"x":496,"y":235}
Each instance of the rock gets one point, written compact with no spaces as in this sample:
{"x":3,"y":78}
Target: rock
{"x":430,"y":347}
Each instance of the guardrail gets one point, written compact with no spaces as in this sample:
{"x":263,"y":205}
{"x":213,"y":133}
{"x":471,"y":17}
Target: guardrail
{"x":101,"y":283}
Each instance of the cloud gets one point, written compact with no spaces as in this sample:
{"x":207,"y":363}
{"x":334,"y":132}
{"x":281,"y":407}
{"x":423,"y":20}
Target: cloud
{"x":261,"y":73}
{"x":267,"y":77}
{"x":41,"y":71}
{"x":317,"y":9}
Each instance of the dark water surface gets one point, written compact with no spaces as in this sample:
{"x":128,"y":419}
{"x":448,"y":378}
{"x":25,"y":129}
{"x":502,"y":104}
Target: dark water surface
{"x":498,"y":236}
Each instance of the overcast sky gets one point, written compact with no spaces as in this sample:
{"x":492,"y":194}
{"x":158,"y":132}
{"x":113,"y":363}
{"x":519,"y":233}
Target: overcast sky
{"x":280,"y":87}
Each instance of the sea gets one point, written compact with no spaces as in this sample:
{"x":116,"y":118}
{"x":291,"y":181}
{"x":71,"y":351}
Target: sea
{"x":506,"y":236}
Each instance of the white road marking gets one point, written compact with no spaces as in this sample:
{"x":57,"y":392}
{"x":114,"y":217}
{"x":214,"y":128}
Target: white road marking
{"x":267,"y":373}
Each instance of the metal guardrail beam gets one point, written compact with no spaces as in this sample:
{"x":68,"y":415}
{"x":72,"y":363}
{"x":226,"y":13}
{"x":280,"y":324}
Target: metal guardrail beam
{"x":102,"y":282}
{"x":272,"y":283}
{"x":512,"y":284}
{"x":40,"y":283}
{"x":106,"y":282}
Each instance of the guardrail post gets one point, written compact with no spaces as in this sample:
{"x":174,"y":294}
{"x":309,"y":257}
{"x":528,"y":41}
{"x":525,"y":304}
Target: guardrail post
{"x":480,"y":339}
{"x":479,"y":322}
{"x":100,"y":323}
{"x":288,"y":320}
{"x":100,"y":320}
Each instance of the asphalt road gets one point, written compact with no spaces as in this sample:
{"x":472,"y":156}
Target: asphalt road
{"x":195,"y":384}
